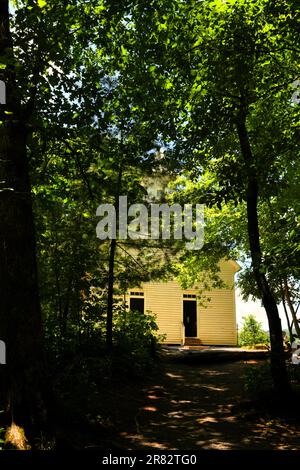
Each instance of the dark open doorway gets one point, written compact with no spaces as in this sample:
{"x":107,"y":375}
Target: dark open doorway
{"x":190,"y":318}
{"x":137,"y":304}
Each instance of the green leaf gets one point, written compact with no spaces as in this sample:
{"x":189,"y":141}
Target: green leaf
{"x":124,"y":51}
{"x":42,"y":3}
{"x":168,"y":84}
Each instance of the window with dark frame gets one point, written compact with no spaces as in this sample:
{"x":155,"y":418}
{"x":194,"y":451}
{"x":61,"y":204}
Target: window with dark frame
{"x":137,"y":304}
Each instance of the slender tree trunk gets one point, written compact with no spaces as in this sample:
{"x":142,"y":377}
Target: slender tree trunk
{"x":110,"y":295}
{"x":278,"y":366}
{"x":59,"y":299}
{"x":111,"y":268}
{"x":286,"y":315}
{"x":291,"y":306}
{"x":20,"y":315}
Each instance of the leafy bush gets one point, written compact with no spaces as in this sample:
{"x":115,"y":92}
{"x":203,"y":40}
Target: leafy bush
{"x":136,"y":328}
{"x":83,"y":378}
{"x":136,"y":340}
{"x":252,"y":332}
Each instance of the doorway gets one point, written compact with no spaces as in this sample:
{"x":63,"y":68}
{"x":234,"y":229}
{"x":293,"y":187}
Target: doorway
{"x":190,"y":318}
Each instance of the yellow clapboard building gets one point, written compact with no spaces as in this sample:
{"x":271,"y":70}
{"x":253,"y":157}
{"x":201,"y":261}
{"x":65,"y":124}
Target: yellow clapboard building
{"x":180,"y":315}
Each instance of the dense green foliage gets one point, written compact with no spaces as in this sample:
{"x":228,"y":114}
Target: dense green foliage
{"x":138,"y":82}
{"x":83,"y":349}
{"x":106,"y":94}
{"x":252,"y":333}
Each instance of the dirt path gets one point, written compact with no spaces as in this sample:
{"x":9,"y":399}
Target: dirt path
{"x":194,"y":407}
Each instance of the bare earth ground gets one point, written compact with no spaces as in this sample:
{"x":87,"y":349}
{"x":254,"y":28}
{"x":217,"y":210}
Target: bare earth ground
{"x":195,"y":407}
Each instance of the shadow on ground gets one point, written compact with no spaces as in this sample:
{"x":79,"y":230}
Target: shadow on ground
{"x":195,"y":407}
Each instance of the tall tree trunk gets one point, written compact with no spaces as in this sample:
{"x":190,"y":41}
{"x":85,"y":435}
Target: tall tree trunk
{"x":278,"y":366}
{"x":111,"y":268}
{"x":20,"y":315}
{"x":110,"y":295}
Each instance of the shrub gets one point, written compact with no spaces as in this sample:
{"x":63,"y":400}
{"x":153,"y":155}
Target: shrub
{"x":252,"y":332}
{"x":136,"y":340}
